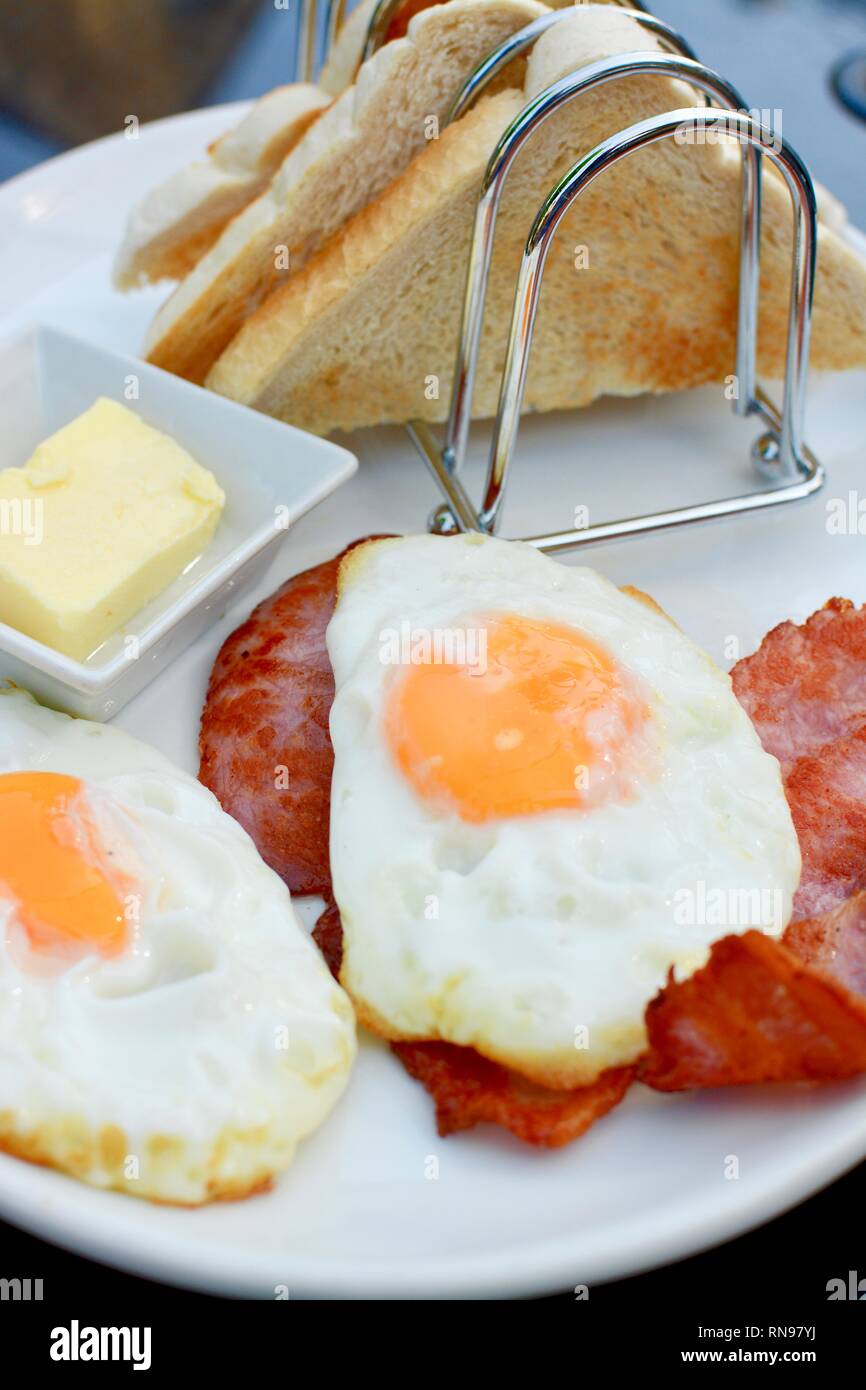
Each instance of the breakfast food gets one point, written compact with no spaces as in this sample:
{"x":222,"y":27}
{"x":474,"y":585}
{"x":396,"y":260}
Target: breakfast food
{"x":536,"y":809}
{"x":345,"y":54}
{"x":351,"y":153}
{"x":760,"y":1009}
{"x":805,"y":691}
{"x":503,"y":832}
{"x":170,"y":230}
{"x":835,"y":942}
{"x":111,"y":511}
{"x":265,"y":748}
{"x":266,"y":753}
{"x":755,"y":1013}
{"x":469,"y":1089}
{"x":639,"y":292}
{"x":166,"y":1027}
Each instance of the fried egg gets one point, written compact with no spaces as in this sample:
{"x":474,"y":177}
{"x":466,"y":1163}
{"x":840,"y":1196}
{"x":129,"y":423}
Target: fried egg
{"x":545,"y":797}
{"x":166,"y":1026}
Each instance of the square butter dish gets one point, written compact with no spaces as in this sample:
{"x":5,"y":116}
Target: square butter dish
{"x":270,"y":472}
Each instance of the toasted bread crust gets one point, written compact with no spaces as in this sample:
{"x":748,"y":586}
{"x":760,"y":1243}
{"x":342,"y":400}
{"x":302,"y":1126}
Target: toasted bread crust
{"x":640,"y":288}
{"x":346,"y":159}
{"x":177,"y":222}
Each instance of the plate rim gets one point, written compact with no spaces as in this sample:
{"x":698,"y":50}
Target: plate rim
{"x":551,"y":1266}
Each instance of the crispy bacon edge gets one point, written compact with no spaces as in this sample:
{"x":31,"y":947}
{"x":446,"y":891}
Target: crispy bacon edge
{"x":468,"y":1089}
{"x":754,"y":1013}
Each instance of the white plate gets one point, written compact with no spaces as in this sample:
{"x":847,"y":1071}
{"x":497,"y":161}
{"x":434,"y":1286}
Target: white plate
{"x":358,"y":1213}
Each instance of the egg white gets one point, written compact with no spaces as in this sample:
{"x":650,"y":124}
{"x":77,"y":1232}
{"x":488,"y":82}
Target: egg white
{"x":540,"y":939}
{"x":189,"y":1066}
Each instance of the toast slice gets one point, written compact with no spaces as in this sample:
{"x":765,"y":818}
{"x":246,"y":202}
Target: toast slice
{"x":639,"y":293}
{"x":346,"y":158}
{"x":342,"y":63}
{"x":343,"y":60}
{"x":176,"y":223}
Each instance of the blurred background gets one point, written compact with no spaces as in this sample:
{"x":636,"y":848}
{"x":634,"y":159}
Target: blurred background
{"x":71,"y":70}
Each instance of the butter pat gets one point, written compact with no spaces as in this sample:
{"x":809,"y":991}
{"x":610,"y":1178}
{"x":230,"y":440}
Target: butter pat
{"x":98,"y":522}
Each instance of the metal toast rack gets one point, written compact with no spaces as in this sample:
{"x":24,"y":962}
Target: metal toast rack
{"x":779,"y":456}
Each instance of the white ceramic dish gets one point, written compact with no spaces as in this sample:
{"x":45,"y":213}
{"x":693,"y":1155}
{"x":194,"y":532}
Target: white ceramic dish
{"x":358,"y":1214}
{"x":271,"y":475}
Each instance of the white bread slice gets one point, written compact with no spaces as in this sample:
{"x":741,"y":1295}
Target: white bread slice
{"x":344,"y":58}
{"x":348,"y":156}
{"x":176,"y":223}
{"x":357,"y":336}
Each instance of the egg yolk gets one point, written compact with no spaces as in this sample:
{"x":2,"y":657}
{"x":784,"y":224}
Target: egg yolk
{"x":51,"y":864}
{"x":540,"y":719}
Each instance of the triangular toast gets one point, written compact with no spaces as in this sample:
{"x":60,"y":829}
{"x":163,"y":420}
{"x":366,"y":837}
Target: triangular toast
{"x":640,"y":287}
{"x":347,"y":157}
{"x":169,"y":231}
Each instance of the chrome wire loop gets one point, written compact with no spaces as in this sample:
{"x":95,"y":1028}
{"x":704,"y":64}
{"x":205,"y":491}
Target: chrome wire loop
{"x":518,"y":43}
{"x":781,"y":453}
{"x":545,"y":105}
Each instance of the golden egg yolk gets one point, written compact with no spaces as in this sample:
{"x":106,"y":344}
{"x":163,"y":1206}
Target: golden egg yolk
{"x":54,"y":868}
{"x":539,"y":722}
